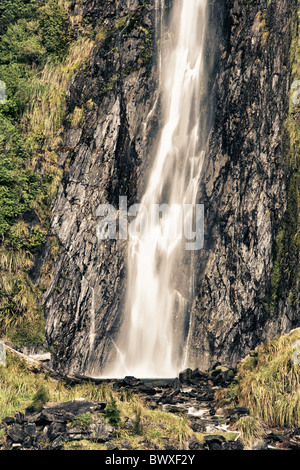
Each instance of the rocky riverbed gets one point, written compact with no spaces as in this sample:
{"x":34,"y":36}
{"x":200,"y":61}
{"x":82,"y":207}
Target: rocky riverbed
{"x":191,"y":395}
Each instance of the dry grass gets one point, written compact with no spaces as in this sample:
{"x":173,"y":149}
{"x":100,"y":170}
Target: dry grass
{"x":40,"y":124}
{"x":43,"y":118}
{"x":269,"y":382}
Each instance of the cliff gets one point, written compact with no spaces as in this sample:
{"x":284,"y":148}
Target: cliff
{"x":108,"y":140}
{"x":243,"y":296}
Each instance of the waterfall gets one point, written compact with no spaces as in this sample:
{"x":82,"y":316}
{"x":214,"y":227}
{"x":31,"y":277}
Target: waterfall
{"x":153,"y":337}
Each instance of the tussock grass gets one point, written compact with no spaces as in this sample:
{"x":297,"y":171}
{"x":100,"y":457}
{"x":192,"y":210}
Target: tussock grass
{"x":21,"y":387}
{"x":268,"y":382}
{"x":250,"y":428}
{"x":43,"y":118}
{"x":40,"y":123}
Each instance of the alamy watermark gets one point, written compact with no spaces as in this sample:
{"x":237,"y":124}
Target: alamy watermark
{"x":156,"y":221}
{"x":296,"y":94}
{"x":2,"y":92}
{"x":296,"y":355}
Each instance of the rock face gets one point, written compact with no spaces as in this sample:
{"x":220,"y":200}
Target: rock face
{"x":103,"y":157}
{"x":244,"y":186}
{"x":107,"y":153}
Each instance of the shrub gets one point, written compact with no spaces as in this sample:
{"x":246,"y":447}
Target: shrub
{"x":22,"y":43}
{"x":112,"y":412}
{"x":82,"y":421}
{"x":55,"y":28}
{"x":40,"y":398}
{"x":138,"y":427}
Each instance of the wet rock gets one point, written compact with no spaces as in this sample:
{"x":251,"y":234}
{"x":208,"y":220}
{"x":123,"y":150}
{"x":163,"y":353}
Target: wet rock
{"x":185,"y":376}
{"x":234,"y":269}
{"x":233,"y":445}
{"x":106,"y":157}
{"x":214,"y":442}
{"x":130,"y":381}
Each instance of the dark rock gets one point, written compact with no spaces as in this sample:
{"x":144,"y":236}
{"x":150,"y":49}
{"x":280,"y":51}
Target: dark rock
{"x":58,"y":443}
{"x":249,"y":71}
{"x":30,"y":429}
{"x":28,"y":442}
{"x":234,"y":413}
{"x":214,"y":442}
{"x":215,"y":372}
{"x":126,"y":445}
{"x":150,"y":391}
{"x":111,"y":446}
{"x":241,"y":411}
{"x":55,"y":429}
{"x":55,"y":415}
{"x":19,"y":417}
{"x":129,"y":423}
{"x":198,"y":375}
{"x":296,"y":432}
{"x":185,"y":376}
{"x":80,"y":406}
{"x":170,"y":447}
{"x":233,"y":445}
{"x":8,"y":420}
{"x":176,"y":384}
{"x":16,"y":433}
{"x":295,"y":443}
{"x":65,"y":412}
{"x":194,"y":444}
{"x":197,"y":425}
{"x":108,"y":155}
{"x":130,"y":381}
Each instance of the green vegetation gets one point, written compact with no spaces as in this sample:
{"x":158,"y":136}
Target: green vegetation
{"x":40,"y":398}
{"x":250,"y":429}
{"x":82,"y":421}
{"x":37,"y":61}
{"x":22,"y":386}
{"x":41,"y":46}
{"x":112,"y":411}
{"x":286,"y":270}
{"x":267,"y":383}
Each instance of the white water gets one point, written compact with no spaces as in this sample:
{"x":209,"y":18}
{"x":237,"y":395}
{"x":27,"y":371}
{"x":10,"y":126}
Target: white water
{"x":148,"y":345}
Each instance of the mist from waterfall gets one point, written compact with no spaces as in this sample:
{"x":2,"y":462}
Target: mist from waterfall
{"x":153,"y":339}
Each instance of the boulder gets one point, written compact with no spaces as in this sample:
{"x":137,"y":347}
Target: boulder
{"x":16,"y":433}
{"x":194,"y":444}
{"x":214,"y":442}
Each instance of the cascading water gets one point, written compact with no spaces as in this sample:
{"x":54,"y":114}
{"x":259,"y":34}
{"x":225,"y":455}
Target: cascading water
{"x":155,"y":328}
